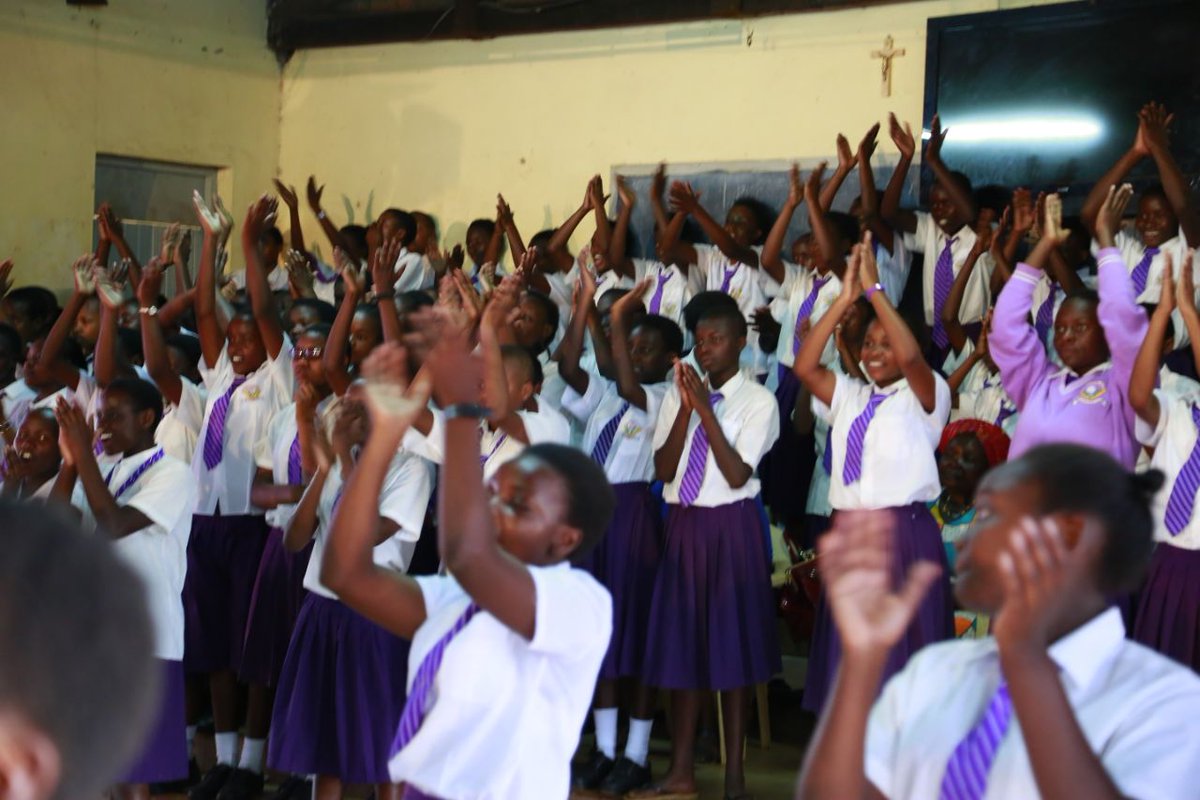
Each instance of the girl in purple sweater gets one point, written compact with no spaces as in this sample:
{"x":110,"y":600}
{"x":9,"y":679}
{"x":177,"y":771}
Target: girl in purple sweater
{"x":1097,"y":338}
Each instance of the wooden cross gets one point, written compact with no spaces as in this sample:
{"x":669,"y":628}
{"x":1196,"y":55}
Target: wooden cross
{"x":886,"y":55}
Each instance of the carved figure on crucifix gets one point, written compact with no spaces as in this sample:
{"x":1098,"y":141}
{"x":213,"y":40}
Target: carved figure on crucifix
{"x":886,"y":55}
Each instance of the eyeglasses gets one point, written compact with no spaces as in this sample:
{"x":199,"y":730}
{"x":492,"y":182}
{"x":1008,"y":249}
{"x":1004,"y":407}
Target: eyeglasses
{"x":307,"y":352}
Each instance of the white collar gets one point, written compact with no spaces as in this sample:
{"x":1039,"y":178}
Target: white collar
{"x":731,"y":386}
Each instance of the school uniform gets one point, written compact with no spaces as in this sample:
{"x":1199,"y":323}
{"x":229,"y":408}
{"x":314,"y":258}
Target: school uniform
{"x":228,"y":531}
{"x":1137,"y":710}
{"x":413,"y":271}
{"x":669,"y":292}
{"x":712,"y":614}
{"x":619,"y":436}
{"x":1145,"y":264}
{"x":789,"y":463}
{"x":279,"y":583}
{"x":945,"y":256}
{"x":894,"y":268}
{"x":741,"y":282}
{"x":342,"y":685}
{"x":161,"y":488}
{"x":1055,"y":404}
{"x":981,"y":394}
{"x":15,"y":399}
{"x":277,"y":279}
{"x":509,"y":730}
{"x":1168,"y":614}
{"x":883,"y":445}
{"x":178,"y":430}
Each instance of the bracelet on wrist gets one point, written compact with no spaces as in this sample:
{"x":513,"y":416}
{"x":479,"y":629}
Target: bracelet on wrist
{"x":466,"y":411}
{"x":870,"y":292}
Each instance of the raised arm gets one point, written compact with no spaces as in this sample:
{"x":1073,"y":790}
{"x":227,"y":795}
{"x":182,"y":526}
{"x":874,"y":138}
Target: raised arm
{"x":870,"y":616}
{"x":107,"y":364}
{"x":822,"y":227}
{"x":1155,"y":122}
{"x":258,"y":217}
{"x":116,"y":234}
{"x":295,"y":233}
{"x":904,"y":345}
{"x":846,"y":163}
{"x":618,"y":245}
{"x":335,"y":237}
{"x":950,"y":321}
{"x":1116,"y":174}
{"x":869,"y":193}
{"x":961,"y":198}
{"x":628,"y":385}
{"x":896,"y":217}
{"x":556,"y":248}
{"x":212,"y":339}
{"x":334,"y":360}
{"x":85,"y":285}
{"x":1145,"y":369}
{"x":684,"y":198}
{"x":504,"y":216}
{"x":154,"y":346}
{"x":668,"y":229}
{"x":772,"y":259}
{"x":116,"y":520}
{"x":818,"y":379}
{"x":1120,"y":316}
{"x":572,"y":344}
{"x":603,"y":228}
{"x":668,"y":456}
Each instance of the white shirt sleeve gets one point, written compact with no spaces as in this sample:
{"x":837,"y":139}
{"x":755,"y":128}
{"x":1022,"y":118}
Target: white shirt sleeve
{"x":666,"y":417}
{"x":573,"y":613}
{"x":1167,"y":407}
{"x":546,"y":425}
{"x":405,"y":494}
{"x":581,"y":407}
{"x":916,"y":241}
{"x":166,"y":495}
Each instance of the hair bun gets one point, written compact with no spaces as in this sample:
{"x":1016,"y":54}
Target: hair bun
{"x":1148,"y":483}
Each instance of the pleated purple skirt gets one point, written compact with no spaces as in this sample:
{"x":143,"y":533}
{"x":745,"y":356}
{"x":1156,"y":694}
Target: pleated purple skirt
{"x":712,"y":615}
{"x":1168,"y":617}
{"x":626,"y":561}
{"x":223,"y":555}
{"x":164,"y":756}
{"x":786,"y":469}
{"x":274,"y":606}
{"x":340,"y":696}
{"x":917,"y":538}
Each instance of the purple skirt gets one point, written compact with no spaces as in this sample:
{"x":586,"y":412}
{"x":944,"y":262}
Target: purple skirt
{"x":626,"y":561}
{"x":164,"y":756}
{"x":223,"y":555}
{"x":1168,"y":617}
{"x":274,"y":606}
{"x":712,"y":616}
{"x":917,"y":538}
{"x":340,"y":696}
{"x":786,"y":469}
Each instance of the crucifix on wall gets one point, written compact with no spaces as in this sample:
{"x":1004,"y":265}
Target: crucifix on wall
{"x":886,"y":55}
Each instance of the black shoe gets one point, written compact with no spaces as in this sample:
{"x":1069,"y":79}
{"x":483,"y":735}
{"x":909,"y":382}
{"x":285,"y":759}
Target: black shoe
{"x":211,"y":784}
{"x":294,"y":788}
{"x":592,"y":772}
{"x":242,"y":785}
{"x":625,"y":776}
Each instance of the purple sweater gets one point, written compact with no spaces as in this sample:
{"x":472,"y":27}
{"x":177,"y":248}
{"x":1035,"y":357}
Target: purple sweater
{"x":1055,"y":404}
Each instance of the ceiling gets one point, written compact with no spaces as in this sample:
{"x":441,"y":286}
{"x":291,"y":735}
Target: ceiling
{"x":298,"y":24}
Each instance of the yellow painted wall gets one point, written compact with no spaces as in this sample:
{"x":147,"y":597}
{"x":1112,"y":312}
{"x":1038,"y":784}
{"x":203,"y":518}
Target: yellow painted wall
{"x":444,"y":126}
{"x":190,"y":81}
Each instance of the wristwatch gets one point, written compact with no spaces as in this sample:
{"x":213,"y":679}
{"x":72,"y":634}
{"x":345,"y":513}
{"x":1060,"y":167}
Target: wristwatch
{"x":468,"y":410}
{"x":149,"y":311}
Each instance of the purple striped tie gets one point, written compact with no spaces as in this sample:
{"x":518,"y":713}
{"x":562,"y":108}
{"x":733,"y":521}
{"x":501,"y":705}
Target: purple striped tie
{"x":214,"y":434}
{"x":827,"y":457}
{"x":607,"y":434}
{"x":1045,"y":313}
{"x":1183,"y":493}
{"x":417,"y":707}
{"x":943,"y":279}
{"x":295,"y":468}
{"x":693,"y":474}
{"x":852,"y":466}
{"x":728,"y":279}
{"x":966,"y":774}
{"x":656,"y":298}
{"x":806,"y":309}
{"x":1142,"y":271}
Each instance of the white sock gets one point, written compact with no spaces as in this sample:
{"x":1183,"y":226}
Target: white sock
{"x":227,"y":748}
{"x":606,"y":731}
{"x":252,"y":754}
{"x":191,"y":738}
{"x":637,"y":746}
